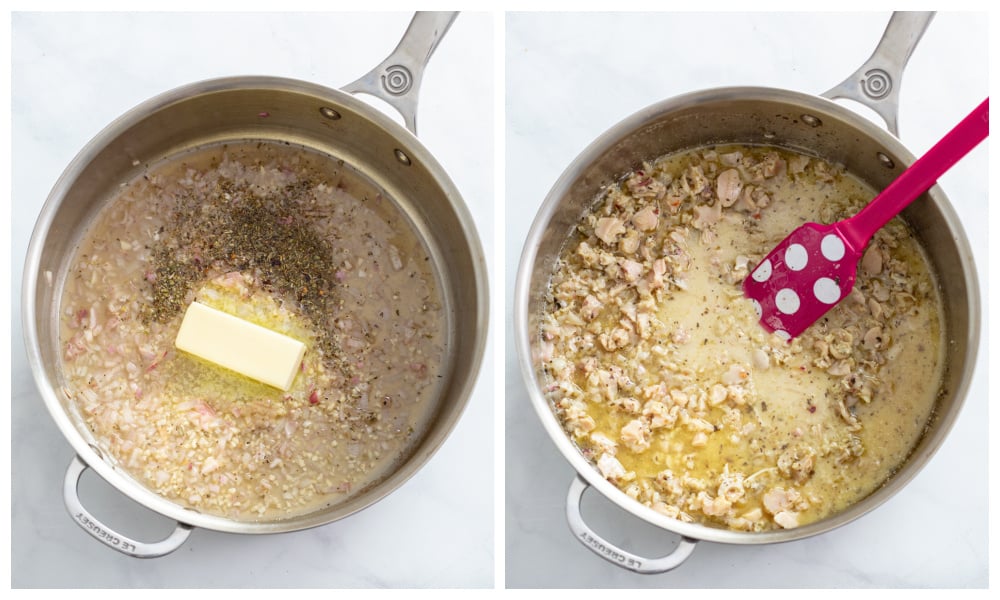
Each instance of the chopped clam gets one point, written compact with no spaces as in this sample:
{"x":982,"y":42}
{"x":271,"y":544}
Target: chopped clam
{"x":694,"y":180}
{"x":604,"y":443}
{"x":706,"y":216}
{"x":635,"y":435}
{"x":873,"y":338}
{"x":590,"y":308}
{"x":646,"y":219}
{"x":609,"y":228}
{"x":871,"y":261}
{"x":760,"y":359}
{"x":728,"y":187}
{"x":609,"y":467}
{"x":736,"y":373}
{"x":797,"y":164}
{"x":629,"y":243}
{"x":875,"y":309}
{"x":779,"y":499}
{"x":717,"y":395}
{"x":713,"y":507}
{"x":631,"y":269}
{"x":787,"y":519}
{"x":731,"y":159}
{"x":839,"y":368}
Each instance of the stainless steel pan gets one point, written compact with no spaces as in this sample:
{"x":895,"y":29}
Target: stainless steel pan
{"x":750,"y":115}
{"x":325,"y":120}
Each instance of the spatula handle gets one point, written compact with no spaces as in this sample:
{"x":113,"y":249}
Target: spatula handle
{"x":919,"y":177}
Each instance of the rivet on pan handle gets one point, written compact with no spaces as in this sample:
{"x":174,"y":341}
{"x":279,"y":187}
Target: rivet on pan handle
{"x":611,"y":553}
{"x":876,"y":83}
{"x":397,"y":79}
{"x":103,"y":533}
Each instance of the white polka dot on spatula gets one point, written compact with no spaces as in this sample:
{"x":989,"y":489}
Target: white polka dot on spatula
{"x":826,"y":290}
{"x":832,"y":247}
{"x":763,"y":272}
{"x":796,"y":257}
{"x":757,"y":309}
{"x":781,"y":333}
{"x":787,"y":301}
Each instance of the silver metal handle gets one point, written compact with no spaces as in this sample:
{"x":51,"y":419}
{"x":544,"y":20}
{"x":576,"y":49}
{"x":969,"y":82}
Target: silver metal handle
{"x":876,"y":83}
{"x":105,"y":534}
{"x":397,"y":79}
{"x":611,"y":553}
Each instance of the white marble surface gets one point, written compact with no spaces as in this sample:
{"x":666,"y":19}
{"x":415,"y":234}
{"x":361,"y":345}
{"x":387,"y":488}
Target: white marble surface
{"x":570,"y":78}
{"x":73,"y":74}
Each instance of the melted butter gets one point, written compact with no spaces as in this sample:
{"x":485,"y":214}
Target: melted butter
{"x":189,"y":376}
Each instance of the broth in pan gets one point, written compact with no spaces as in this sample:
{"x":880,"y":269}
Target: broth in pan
{"x":285,"y":238}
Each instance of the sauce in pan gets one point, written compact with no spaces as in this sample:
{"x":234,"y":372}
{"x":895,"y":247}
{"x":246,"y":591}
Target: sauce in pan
{"x":661,"y":374}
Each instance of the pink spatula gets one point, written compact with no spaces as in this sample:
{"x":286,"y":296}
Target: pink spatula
{"x":813,"y":268}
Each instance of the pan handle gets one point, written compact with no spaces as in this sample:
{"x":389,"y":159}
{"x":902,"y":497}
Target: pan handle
{"x":396,"y":80}
{"x":103,"y":533}
{"x":876,"y":83}
{"x":611,"y":553}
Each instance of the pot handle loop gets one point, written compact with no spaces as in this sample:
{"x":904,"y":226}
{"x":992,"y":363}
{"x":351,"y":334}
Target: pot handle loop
{"x":397,"y":79}
{"x":103,"y":533}
{"x":876,"y":83}
{"x":611,"y":553}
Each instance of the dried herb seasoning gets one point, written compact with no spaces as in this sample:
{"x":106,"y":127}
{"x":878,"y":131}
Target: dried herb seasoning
{"x":235,"y":228}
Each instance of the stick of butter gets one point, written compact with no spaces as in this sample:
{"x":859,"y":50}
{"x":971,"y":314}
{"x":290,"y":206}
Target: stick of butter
{"x":241,"y":346}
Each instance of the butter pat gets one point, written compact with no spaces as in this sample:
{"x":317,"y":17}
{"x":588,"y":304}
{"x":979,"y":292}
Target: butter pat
{"x":247,"y":348}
